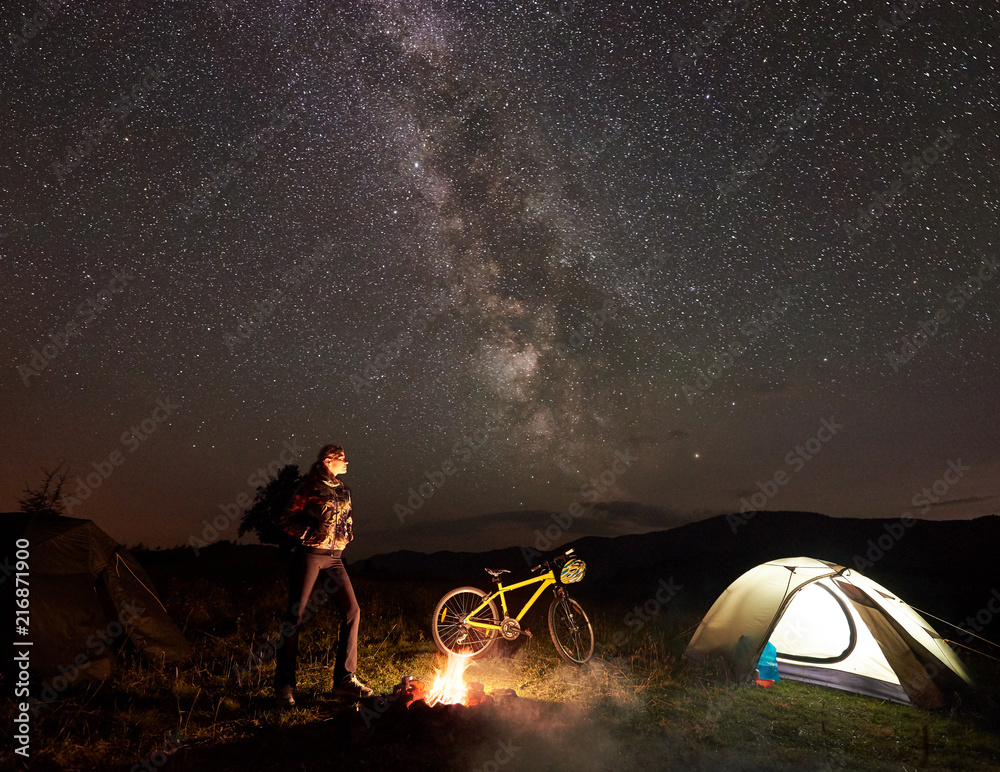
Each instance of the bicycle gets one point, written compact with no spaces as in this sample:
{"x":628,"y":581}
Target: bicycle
{"x":467,"y":623}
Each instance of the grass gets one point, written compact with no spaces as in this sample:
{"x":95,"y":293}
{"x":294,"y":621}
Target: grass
{"x":635,"y":706}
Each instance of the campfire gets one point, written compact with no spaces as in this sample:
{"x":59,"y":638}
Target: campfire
{"x":429,"y":706}
{"x":448,"y":688}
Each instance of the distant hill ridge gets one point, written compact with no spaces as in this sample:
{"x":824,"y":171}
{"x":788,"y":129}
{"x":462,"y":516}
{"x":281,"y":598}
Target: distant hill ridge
{"x":948,"y":568}
{"x":950,"y":565}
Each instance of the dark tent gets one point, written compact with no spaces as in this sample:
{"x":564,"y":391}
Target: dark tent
{"x":86,"y":595}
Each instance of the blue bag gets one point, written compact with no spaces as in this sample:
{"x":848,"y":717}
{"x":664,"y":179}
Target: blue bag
{"x":767,"y":667}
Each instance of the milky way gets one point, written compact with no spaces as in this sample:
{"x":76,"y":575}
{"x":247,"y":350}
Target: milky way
{"x":505,"y":240}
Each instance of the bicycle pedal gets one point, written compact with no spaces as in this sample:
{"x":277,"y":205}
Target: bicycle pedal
{"x":526,"y":633}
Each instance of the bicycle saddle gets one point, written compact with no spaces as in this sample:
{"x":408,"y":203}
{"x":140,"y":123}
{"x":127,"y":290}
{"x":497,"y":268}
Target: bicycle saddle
{"x":495,"y":572}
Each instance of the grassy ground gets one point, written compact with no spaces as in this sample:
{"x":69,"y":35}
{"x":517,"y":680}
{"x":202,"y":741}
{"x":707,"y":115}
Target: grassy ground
{"x":635,"y":706}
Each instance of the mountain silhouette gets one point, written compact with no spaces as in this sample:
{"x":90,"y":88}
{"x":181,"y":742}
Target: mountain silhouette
{"x":948,"y":568}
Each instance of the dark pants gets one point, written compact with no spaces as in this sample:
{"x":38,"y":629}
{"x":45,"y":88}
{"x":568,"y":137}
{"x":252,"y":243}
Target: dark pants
{"x":313,"y":581}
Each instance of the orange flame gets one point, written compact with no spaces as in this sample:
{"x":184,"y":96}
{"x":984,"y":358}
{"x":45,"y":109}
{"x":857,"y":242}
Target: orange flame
{"x":449,"y":686}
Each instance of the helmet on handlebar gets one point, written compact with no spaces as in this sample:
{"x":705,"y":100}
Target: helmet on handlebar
{"x":573,"y":571}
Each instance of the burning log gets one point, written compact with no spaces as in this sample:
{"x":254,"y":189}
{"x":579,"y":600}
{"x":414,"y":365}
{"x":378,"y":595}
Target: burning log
{"x":475,"y":694}
{"x":414,"y":704}
{"x":409,"y":690}
{"x":449,"y":686}
{"x":408,"y":712}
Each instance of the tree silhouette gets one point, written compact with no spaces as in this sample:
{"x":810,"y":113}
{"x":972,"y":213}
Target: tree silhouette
{"x":268,"y":505}
{"x":47,"y":497}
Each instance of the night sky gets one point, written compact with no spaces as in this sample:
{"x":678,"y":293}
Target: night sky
{"x":721,"y":254}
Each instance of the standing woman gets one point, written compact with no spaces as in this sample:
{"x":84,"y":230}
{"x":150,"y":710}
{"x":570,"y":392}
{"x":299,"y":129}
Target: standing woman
{"x":319,"y":517}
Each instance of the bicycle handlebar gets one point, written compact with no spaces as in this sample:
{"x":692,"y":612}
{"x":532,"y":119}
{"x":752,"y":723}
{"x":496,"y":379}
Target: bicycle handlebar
{"x":548,"y":563}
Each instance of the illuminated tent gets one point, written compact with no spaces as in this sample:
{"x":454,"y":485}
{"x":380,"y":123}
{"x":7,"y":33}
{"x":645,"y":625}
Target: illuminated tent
{"x":831,"y":626}
{"x":87,"y":594}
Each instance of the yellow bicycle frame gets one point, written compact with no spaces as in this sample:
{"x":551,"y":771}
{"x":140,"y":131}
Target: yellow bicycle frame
{"x":547,"y":580}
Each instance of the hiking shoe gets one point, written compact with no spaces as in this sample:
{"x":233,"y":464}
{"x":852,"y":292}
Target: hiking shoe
{"x":353,"y":687}
{"x":286,"y":698}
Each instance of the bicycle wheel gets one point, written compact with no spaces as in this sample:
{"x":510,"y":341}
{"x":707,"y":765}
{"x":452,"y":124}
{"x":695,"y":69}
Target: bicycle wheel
{"x":571,"y":630}
{"x":452,"y":635}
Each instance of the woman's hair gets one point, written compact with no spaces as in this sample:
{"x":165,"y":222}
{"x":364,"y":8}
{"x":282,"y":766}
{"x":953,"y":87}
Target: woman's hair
{"x":318,"y":469}
{"x":329,"y":450}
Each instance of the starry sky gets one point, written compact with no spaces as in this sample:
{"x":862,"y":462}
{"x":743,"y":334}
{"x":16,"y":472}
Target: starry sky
{"x":514,"y":256}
